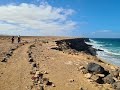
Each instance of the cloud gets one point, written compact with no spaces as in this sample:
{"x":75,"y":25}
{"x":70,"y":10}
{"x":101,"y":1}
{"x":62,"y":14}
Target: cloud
{"x":43,"y":19}
{"x":101,"y":31}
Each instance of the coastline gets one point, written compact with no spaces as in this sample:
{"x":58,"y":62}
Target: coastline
{"x":61,"y":64}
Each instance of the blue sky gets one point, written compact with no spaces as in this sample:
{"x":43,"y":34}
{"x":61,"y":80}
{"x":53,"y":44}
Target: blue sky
{"x":88,"y":18}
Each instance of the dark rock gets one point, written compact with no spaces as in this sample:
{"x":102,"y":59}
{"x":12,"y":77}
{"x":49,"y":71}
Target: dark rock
{"x":41,"y":88}
{"x":97,"y":79}
{"x":92,"y":51}
{"x":116,"y":85}
{"x":31,"y":60}
{"x":95,"y":68}
{"x":109,"y":79}
{"x":34,"y":65}
{"x":99,"y":50}
{"x":77,"y":44}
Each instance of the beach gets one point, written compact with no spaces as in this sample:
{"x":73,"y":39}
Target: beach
{"x":60,"y":67}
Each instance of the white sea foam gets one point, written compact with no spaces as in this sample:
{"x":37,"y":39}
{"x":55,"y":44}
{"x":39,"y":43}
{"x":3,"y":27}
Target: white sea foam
{"x":106,"y":54}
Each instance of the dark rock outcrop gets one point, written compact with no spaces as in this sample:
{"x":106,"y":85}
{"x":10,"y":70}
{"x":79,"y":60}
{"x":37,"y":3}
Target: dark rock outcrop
{"x":95,"y":68}
{"x":77,"y":44}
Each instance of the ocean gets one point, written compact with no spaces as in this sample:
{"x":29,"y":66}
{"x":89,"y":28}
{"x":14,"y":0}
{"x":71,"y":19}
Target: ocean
{"x":110,"y":47}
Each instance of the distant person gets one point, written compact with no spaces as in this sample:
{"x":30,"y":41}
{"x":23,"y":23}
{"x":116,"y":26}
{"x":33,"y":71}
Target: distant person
{"x":12,"y":39}
{"x":19,"y":39}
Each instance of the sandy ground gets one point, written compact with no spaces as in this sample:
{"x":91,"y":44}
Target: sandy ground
{"x":61,"y":67}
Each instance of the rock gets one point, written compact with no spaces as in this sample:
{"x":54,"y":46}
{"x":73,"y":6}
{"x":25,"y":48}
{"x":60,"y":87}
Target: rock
{"x":30,"y":59}
{"x":34,"y":65}
{"x":84,"y":71}
{"x":41,"y":88}
{"x":88,"y":75}
{"x":92,"y":51}
{"x":97,"y":79}
{"x":71,"y":80}
{"x":46,"y":81}
{"x":100,"y":75}
{"x":76,"y":44}
{"x":37,"y":72}
{"x":4,"y":59}
{"x":114,"y":73}
{"x":45,"y":72}
{"x":81,"y":67}
{"x":99,"y":50}
{"x":109,"y":79}
{"x":95,"y":68}
{"x":53,"y":85}
{"x":81,"y":88}
{"x":115,"y":79}
{"x":116,"y":85}
{"x":94,"y":77}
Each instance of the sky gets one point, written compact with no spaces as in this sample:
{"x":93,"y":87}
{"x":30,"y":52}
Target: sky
{"x":79,"y":18}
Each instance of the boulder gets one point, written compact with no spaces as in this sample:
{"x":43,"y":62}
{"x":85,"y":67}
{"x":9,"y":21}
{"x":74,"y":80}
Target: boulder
{"x":109,"y":79}
{"x":95,"y":68}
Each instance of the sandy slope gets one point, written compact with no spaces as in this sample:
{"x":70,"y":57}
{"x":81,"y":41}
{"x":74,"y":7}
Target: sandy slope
{"x":61,"y":68}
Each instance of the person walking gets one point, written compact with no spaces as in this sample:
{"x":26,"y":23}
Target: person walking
{"x":12,"y":39}
{"x":19,"y":39}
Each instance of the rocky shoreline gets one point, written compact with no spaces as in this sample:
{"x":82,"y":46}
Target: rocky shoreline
{"x":92,"y":71}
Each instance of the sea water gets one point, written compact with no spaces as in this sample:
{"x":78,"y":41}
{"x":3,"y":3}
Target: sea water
{"x":110,"y":47}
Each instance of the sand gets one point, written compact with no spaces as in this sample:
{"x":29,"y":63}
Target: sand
{"x":61,"y":68}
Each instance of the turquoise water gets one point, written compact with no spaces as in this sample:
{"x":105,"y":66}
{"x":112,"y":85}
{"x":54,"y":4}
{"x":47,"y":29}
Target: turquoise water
{"x":110,"y":47}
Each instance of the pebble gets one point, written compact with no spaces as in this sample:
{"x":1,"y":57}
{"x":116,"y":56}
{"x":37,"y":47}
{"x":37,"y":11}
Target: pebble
{"x":45,"y":72}
{"x":53,"y":85}
{"x":71,"y":80}
{"x":101,"y":75}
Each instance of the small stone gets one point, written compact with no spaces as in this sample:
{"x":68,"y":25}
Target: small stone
{"x":95,"y":77}
{"x":81,"y":67}
{"x":53,"y":85}
{"x":30,"y":59}
{"x":45,"y":72}
{"x":119,"y":74}
{"x":84,"y":71}
{"x":34,"y":65}
{"x":41,"y":88}
{"x":71,"y":80}
{"x":81,"y":88}
{"x":37,"y":72}
{"x":88,"y":75}
{"x":100,"y":75}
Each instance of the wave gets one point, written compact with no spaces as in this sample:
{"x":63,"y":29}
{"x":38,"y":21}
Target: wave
{"x":102,"y":46}
{"x":110,"y":53}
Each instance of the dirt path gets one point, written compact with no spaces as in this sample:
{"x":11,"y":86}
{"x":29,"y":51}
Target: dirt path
{"x":15,"y":74}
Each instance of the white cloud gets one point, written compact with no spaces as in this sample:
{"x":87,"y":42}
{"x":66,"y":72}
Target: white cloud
{"x":43,"y":18}
{"x":101,"y":31}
